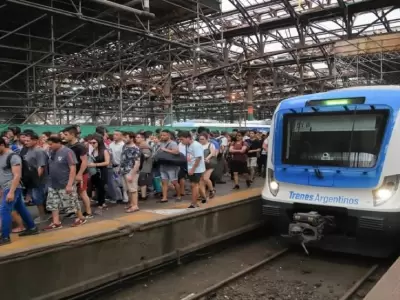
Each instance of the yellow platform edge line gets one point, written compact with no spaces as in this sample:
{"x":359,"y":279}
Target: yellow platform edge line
{"x":106,"y":226}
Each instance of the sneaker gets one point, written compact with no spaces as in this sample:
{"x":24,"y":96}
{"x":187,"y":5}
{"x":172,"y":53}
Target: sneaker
{"x":211,"y":194}
{"x":32,"y":231}
{"x":4,"y":241}
{"x":70,"y":215}
{"x":40,"y":220}
{"x":79,"y":222}
{"x":53,"y":226}
{"x":88,"y":216}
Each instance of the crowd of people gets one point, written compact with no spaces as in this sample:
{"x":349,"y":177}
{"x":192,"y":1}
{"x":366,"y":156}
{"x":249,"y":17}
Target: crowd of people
{"x":56,"y":172}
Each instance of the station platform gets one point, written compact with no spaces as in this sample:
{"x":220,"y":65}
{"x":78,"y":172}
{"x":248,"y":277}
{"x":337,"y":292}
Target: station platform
{"x":69,"y":261}
{"x":388,"y":287}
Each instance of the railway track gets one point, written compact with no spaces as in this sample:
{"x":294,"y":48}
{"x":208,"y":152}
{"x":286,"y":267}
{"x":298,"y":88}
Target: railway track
{"x":233,"y":286}
{"x":250,"y":268}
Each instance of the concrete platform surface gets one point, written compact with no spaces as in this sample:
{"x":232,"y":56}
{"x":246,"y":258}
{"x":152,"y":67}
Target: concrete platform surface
{"x":388,"y":287}
{"x":115,"y":218}
{"x":69,"y":261}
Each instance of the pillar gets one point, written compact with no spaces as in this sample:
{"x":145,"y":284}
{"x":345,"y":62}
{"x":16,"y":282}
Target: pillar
{"x":249,"y":98}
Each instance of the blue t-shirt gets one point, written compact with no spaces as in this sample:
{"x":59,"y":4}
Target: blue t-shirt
{"x":195,"y":150}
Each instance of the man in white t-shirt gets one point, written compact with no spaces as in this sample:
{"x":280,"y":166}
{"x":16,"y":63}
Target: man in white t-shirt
{"x":195,"y":165}
{"x":116,"y":146}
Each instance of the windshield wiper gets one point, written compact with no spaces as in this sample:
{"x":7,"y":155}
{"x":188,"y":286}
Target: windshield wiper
{"x":318,"y":173}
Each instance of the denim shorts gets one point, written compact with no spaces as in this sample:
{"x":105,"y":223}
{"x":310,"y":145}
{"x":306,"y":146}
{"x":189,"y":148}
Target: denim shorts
{"x":169,"y":173}
{"x":38,"y":194}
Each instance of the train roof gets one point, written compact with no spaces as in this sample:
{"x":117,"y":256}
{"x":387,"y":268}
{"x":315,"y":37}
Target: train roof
{"x":380,"y":94}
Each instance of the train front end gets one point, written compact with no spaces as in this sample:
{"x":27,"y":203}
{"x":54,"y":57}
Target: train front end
{"x":333,"y":172}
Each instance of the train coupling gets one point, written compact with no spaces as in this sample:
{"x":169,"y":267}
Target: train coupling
{"x":307,"y":227}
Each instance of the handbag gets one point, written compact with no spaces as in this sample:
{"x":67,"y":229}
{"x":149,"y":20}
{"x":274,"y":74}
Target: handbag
{"x":92,"y":171}
{"x":213,"y":161}
{"x":165,"y":158}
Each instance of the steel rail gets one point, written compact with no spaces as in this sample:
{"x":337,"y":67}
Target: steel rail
{"x":358,"y":283}
{"x":224,"y":282}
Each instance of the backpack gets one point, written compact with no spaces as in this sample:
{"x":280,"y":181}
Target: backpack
{"x":8,"y":160}
{"x":29,"y":174}
{"x":142,"y":159}
{"x":216,"y":143}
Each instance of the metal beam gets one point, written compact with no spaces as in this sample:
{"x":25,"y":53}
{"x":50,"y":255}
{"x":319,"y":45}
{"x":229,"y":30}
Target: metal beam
{"x":135,"y":11}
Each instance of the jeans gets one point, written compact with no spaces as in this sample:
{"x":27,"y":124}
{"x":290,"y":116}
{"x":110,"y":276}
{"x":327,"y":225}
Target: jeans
{"x":7,"y":207}
{"x":113,"y":189}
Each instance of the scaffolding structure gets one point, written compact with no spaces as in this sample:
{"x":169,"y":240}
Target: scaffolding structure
{"x":153,"y":61}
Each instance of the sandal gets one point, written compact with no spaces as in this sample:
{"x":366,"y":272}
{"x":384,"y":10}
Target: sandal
{"x":162,"y":201}
{"x":132,"y":210}
{"x":18,"y":230}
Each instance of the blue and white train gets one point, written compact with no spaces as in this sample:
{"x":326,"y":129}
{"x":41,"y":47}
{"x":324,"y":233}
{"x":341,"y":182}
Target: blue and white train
{"x":334,"y":169}
{"x":260,"y":125}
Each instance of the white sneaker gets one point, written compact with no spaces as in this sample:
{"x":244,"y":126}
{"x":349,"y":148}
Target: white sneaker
{"x":40,"y":220}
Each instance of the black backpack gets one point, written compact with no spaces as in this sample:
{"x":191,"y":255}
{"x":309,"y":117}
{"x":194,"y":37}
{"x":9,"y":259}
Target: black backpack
{"x":29,"y":177}
{"x":28,"y":180}
{"x":142,"y":159}
{"x":8,"y":160}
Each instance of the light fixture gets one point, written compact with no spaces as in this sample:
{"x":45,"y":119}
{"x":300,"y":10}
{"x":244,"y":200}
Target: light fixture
{"x":272,"y":183}
{"x":388,"y":188}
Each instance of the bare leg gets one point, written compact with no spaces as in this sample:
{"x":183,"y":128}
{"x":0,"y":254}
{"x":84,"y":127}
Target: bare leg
{"x":182,"y":186}
{"x":143,"y":190}
{"x":236,"y":178}
{"x":134,"y":200}
{"x":195,"y":193}
{"x":17,"y":219}
{"x":164,"y":190}
{"x":177,"y":189}
{"x":86,"y":202}
{"x":56,"y":217}
{"x":207,"y":180}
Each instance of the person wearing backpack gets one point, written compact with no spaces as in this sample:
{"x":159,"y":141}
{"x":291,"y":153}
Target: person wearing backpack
{"x":34,"y":173}
{"x":146,"y":165}
{"x":11,"y":194}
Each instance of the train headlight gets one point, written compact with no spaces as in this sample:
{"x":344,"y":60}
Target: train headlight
{"x":273,"y":185}
{"x":386,"y":190}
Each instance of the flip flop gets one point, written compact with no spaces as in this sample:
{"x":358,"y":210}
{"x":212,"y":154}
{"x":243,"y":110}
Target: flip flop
{"x":17,"y":230}
{"x":130,"y":210}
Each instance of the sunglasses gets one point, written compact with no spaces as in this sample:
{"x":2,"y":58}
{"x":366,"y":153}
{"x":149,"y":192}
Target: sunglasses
{"x":93,"y":143}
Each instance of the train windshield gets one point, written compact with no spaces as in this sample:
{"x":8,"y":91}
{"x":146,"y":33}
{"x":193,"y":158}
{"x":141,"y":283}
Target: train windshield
{"x":347,"y":139}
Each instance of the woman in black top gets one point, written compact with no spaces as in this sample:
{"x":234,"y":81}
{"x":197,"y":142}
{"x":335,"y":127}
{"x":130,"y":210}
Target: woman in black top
{"x":101,"y":160}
